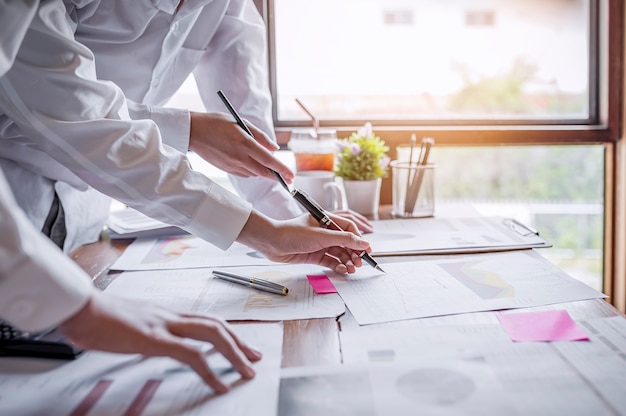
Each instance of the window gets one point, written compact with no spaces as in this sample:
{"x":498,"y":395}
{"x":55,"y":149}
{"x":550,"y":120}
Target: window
{"x":428,"y":60}
{"x":533,"y":76}
{"x":523,"y":98}
{"x":557,"y":190}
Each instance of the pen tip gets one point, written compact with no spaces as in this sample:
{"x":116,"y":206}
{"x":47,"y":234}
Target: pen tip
{"x":380,"y":269}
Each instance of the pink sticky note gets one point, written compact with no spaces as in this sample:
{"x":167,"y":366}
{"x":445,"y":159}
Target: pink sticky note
{"x":542,"y":326}
{"x":321,"y":283}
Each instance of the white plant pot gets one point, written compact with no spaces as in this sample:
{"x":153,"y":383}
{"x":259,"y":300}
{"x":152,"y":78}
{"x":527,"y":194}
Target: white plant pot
{"x":363,"y":196}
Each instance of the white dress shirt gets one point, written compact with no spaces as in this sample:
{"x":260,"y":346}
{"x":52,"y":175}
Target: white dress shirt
{"x":63,"y":124}
{"x":40,"y":287}
{"x":148,"y":48}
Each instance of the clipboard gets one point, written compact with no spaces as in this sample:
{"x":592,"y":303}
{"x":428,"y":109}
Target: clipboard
{"x":442,"y":235}
{"x":519,"y":228}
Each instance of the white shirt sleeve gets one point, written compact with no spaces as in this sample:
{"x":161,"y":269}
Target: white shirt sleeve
{"x":14,"y":20}
{"x":174,"y":123}
{"x":51,"y":93}
{"x":39,"y":286}
{"x":236,"y":62}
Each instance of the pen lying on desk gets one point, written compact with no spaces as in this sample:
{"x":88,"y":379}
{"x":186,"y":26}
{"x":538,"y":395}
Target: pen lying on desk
{"x":305,"y":200}
{"x":252,"y":282}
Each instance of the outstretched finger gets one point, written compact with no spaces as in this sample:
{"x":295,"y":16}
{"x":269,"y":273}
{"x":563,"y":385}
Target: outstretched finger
{"x":215,"y":332}
{"x":192,"y":356}
{"x":251,"y":354}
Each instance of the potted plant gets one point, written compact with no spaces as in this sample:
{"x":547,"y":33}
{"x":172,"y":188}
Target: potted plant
{"x":362,"y":162}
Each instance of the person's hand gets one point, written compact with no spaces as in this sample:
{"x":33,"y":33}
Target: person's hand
{"x":303,"y":240}
{"x":113,"y":324}
{"x":359,"y":220}
{"x":220,"y":141}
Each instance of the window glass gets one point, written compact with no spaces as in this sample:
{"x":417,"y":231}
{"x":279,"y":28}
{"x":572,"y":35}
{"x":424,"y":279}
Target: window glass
{"x":557,"y":190}
{"x":432,"y":59}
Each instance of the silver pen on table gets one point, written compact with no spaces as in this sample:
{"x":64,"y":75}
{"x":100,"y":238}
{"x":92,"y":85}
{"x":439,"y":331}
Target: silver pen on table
{"x":252,"y":282}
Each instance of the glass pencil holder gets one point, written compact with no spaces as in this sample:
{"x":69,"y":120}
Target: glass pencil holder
{"x":413,"y":189}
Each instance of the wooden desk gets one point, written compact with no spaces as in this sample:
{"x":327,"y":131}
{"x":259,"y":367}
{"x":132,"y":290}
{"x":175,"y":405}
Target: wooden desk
{"x":306,"y":342}
{"x":317,"y":342}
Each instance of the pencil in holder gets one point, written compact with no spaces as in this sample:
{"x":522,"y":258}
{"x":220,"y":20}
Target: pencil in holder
{"x":413,"y":189}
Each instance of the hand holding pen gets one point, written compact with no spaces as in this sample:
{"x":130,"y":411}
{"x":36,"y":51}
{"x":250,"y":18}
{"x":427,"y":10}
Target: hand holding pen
{"x":308,"y":203}
{"x":214,"y":138}
{"x":325,"y":220}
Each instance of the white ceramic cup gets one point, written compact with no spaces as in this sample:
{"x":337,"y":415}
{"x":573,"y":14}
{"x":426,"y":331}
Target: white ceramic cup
{"x":321,"y":186}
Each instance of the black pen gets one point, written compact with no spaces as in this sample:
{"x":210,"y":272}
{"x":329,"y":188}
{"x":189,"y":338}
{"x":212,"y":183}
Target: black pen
{"x":252,"y":282}
{"x":243,"y":125}
{"x":323,"y":218}
{"x":305,"y":200}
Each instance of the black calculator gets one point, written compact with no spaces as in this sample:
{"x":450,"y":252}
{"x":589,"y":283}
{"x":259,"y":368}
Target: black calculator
{"x":48,"y":344}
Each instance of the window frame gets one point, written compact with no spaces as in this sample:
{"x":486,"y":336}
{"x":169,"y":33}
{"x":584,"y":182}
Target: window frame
{"x":604,"y":127}
{"x":598,"y":128}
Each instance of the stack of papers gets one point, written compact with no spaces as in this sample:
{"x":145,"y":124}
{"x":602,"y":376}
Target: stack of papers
{"x":390,"y":237}
{"x":457,"y":284}
{"x":130,"y":223}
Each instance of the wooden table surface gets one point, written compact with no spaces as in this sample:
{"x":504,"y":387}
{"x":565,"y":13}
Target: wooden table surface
{"x":306,"y":342}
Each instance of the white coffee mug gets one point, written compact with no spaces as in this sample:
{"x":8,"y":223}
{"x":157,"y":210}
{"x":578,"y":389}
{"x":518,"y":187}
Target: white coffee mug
{"x":321,"y":186}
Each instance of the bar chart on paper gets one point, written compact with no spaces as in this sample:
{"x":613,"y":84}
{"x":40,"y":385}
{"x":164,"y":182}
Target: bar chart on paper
{"x":100,"y":383}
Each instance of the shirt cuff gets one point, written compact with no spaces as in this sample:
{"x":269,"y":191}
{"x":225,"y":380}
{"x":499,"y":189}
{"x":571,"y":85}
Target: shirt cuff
{"x":267,"y":196}
{"x":220,"y":218}
{"x":43,"y":294}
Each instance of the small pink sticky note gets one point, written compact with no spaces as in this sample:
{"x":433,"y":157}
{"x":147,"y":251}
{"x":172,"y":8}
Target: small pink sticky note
{"x":321,"y":283}
{"x":542,"y":326}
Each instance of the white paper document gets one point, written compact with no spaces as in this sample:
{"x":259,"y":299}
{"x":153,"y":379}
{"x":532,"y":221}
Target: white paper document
{"x":459,"y":284}
{"x":456,"y":387}
{"x":130,"y":223}
{"x":451,"y":235}
{"x":542,"y":378}
{"x":184,"y":252}
{"x":99,"y":383}
{"x":198,"y":291}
